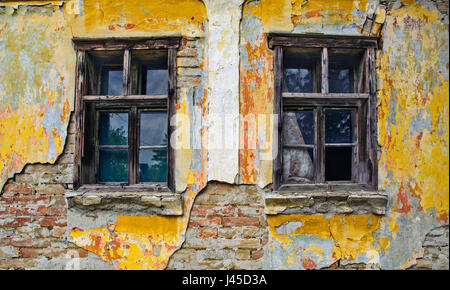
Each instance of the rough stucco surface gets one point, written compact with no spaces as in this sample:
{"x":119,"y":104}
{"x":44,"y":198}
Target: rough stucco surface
{"x":234,"y":75}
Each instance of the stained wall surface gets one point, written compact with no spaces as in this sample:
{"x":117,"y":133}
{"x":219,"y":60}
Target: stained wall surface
{"x":223,"y":171}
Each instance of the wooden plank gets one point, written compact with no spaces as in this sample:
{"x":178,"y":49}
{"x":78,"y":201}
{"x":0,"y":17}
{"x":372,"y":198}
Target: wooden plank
{"x":171,"y":111}
{"x":132,"y":142}
{"x":324,"y":82}
{"x":325,"y":96}
{"x":78,"y":119}
{"x":124,"y":98}
{"x":372,"y":121}
{"x":321,"y":41}
{"x":126,"y":43}
{"x":126,"y":72}
{"x":294,"y":103}
{"x":320,"y":132}
{"x":278,"y":118}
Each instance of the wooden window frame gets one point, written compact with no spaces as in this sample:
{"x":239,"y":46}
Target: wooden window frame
{"x":86,"y":107}
{"x":364,"y":168}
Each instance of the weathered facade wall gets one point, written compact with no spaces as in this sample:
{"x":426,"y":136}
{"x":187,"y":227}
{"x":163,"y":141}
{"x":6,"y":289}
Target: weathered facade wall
{"x":225,"y":68}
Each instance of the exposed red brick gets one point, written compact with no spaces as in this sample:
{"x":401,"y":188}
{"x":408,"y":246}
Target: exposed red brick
{"x":211,"y":210}
{"x":51,"y":221}
{"x":17,"y":263}
{"x":14,"y":222}
{"x":32,"y":199}
{"x":17,"y":188}
{"x":30,"y":253}
{"x":204,"y":222}
{"x":257,"y":254}
{"x":240,"y":221}
{"x":6,"y":199}
{"x":207,"y":232}
{"x":56,"y":210}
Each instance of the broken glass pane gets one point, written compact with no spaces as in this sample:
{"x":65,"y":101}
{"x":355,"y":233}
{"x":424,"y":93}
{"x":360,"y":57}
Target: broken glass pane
{"x":338,"y":163}
{"x":339,"y":126}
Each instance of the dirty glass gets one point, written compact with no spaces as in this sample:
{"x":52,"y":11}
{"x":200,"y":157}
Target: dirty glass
{"x":153,"y":165}
{"x":153,"y":129}
{"x":113,"y":132}
{"x":339,"y":126}
{"x":345,"y":70}
{"x":298,"y":127}
{"x":112,"y":79}
{"x":301,"y":70}
{"x":104,"y":73}
{"x":298,"y":161}
{"x":150,"y":68}
{"x":113,"y":128}
{"x":113,"y":165}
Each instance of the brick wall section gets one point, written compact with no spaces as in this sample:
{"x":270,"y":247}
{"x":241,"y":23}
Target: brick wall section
{"x":227,"y":230}
{"x":435,"y":250}
{"x":33,"y":212}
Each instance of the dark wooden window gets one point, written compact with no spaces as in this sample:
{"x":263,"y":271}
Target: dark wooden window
{"x":125,"y":97}
{"x":325,"y":105}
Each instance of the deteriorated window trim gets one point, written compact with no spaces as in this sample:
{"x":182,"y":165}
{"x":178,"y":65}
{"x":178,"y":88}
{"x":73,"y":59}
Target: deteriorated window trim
{"x":133,"y":102}
{"x":365,"y":174}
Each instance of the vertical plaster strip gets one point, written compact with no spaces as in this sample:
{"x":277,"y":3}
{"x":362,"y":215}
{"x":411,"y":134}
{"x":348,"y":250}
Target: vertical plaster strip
{"x":223,"y":88}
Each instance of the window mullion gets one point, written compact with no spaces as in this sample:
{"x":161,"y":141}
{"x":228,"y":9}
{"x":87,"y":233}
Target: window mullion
{"x":325,"y":70}
{"x":126,"y":72}
{"x":132,"y":146}
{"x":320,"y":148}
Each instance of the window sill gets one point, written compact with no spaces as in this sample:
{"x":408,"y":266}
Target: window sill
{"x":326,"y":202}
{"x":131,"y":201}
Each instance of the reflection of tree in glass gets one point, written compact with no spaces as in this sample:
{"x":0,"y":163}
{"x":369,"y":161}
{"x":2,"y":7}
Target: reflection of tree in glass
{"x":157,"y":172}
{"x":117,"y":136}
{"x":113,"y":165}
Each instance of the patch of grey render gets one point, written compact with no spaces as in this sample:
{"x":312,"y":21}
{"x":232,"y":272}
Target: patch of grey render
{"x":288,"y":228}
{"x":70,"y":262}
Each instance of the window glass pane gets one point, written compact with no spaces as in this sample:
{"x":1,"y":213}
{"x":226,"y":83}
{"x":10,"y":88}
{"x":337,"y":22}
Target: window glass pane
{"x":157,"y":81}
{"x":112,"y":79}
{"x":298,"y":127}
{"x":345,"y":71}
{"x":104,"y":72}
{"x":298,"y":80}
{"x":153,"y":165}
{"x":301,"y":70}
{"x":153,"y":129}
{"x":113,"y":165}
{"x":339,"y":126}
{"x":113,"y":128}
{"x":149,"y":71}
{"x":338,"y":163}
{"x":298,"y":165}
